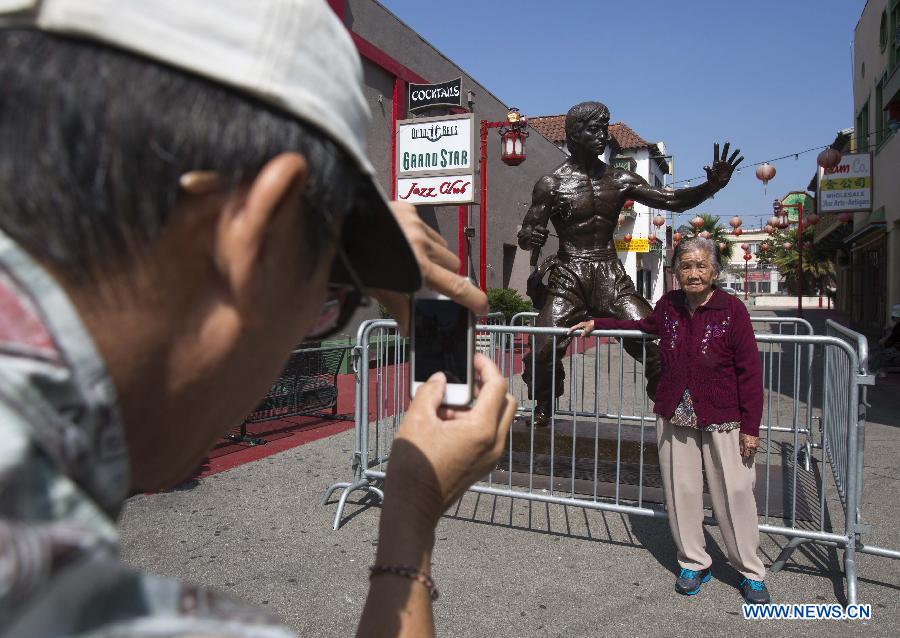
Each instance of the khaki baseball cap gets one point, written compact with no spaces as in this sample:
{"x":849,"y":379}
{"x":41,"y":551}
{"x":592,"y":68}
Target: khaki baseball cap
{"x":295,"y":55}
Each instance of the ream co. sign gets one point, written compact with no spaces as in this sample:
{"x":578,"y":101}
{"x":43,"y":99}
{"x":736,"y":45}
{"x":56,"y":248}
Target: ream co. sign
{"x":431,"y":147}
{"x":846,"y":188}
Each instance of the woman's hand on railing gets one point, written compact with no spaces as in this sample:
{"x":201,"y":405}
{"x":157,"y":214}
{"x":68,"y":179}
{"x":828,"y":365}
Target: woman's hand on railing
{"x":586,"y":326}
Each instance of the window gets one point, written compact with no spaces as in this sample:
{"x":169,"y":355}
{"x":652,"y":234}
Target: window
{"x":862,"y":129}
{"x":880,"y":115}
{"x":644,"y":283}
{"x":894,"y":34}
{"x":883,"y":31}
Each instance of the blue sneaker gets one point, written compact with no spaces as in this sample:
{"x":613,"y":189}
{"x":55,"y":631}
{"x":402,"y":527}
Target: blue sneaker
{"x":754,"y":591}
{"x":689,"y":581}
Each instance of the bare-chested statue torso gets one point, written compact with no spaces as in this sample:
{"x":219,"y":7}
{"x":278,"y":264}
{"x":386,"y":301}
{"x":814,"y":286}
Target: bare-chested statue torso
{"x":582,"y":199}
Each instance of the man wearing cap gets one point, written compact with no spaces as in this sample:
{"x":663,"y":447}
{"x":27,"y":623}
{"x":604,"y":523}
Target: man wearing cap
{"x":184,"y":196}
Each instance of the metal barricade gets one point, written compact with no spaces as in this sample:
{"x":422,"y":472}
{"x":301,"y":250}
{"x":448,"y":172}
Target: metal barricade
{"x":599,"y":451}
{"x":382,"y":394}
{"x":489,"y":343}
{"x":844,"y":441}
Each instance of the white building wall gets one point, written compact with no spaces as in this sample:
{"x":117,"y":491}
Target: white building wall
{"x":641,"y":227}
{"x":733,"y":276}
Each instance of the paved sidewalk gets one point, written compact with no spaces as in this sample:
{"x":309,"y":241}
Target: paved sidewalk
{"x":503,"y":567}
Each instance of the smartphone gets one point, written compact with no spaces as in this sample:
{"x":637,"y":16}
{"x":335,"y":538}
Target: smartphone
{"x":443,"y":340}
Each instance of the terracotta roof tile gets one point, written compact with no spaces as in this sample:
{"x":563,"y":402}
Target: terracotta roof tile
{"x":553,"y":127}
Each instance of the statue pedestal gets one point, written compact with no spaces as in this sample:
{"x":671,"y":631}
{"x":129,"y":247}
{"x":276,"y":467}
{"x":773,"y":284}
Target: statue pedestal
{"x":546,"y":454}
{"x":542,"y":459}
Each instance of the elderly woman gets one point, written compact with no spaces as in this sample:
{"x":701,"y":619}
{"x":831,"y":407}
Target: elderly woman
{"x":708,"y":406}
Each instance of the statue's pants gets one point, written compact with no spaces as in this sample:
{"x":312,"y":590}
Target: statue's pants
{"x":580,"y":287}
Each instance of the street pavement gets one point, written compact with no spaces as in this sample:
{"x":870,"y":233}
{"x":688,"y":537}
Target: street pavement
{"x":503,"y":567}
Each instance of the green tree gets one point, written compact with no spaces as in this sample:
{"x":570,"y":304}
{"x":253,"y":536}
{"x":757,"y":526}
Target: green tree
{"x":818,"y":271}
{"x":718,"y":233}
{"x":507,"y":301}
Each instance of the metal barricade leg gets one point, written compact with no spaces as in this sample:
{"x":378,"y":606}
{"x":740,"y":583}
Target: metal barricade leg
{"x":359,"y":485}
{"x":786,"y":553}
{"x":850,"y":571}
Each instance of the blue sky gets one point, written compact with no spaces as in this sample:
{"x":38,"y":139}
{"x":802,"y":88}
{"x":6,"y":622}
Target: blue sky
{"x":774,"y":78}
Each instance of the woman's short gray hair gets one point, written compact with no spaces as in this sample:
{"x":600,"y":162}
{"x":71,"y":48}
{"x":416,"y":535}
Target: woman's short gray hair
{"x":700,"y":244}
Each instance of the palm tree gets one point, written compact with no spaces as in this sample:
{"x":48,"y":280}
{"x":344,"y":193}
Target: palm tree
{"x":818,"y":271}
{"x":717,"y":232}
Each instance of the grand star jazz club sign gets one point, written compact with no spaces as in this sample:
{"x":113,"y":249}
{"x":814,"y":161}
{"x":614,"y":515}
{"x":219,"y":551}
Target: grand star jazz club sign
{"x":436,"y":160}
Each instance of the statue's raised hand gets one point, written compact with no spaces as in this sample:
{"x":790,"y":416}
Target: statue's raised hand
{"x":721,"y":170}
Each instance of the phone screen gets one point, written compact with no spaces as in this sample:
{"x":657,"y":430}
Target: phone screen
{"x":440,"y":343}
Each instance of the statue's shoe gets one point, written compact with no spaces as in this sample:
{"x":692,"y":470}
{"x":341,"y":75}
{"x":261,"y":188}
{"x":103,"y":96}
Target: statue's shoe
{"x":541,"y":419}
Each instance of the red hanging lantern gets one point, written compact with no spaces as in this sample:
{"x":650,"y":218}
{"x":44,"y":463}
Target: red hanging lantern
{"x":658,"y":221}
{"x":697,"y":222}
{"x":677,"y":237}
{"x":737,"y":232}
{"x":765,"y":172}
{"x":773,"y":221}
{"x":629,"y":204}
{"x":769,"y":229}
{"x":706,"y":234}
{"x":812,"y":219}
{"x":747,"y":256}
{"x":829,"y":158}
{"x":722,"y":246}
{"x":845,"y":218}
{"x":783,"y":222}
{"x":787,"y":245}
{"x":745,"y":247}
{"x":627,"y":237}
{"x":652,"y":239}
{"x":735,"y":221}
{"x":512,"y":145}
{"x":764,"y":247}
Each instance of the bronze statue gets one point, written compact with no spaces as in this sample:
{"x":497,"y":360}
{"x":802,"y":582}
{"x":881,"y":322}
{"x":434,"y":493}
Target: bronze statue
{"x":583,"y":198}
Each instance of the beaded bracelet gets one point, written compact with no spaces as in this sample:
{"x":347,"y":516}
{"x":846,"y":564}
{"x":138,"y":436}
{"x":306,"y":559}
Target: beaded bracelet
{"x":406,"y":572}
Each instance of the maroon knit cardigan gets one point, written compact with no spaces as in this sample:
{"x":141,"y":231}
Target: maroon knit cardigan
{"x":712,"y":353}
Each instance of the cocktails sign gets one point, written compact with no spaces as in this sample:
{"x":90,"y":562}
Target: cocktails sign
{"x":426,"y":96}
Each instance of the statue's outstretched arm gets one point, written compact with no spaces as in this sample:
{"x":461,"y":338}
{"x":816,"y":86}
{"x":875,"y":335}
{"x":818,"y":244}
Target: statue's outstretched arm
{"x":718,"y":176}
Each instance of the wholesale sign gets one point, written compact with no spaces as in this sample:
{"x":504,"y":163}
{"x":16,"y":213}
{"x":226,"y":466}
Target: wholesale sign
{"x":426,"y":96}
{"x":436,"y":147}
{"x":846,"y":188}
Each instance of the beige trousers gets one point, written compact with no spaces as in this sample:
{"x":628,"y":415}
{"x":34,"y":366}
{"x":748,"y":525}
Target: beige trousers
{"x":683,"y":454}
